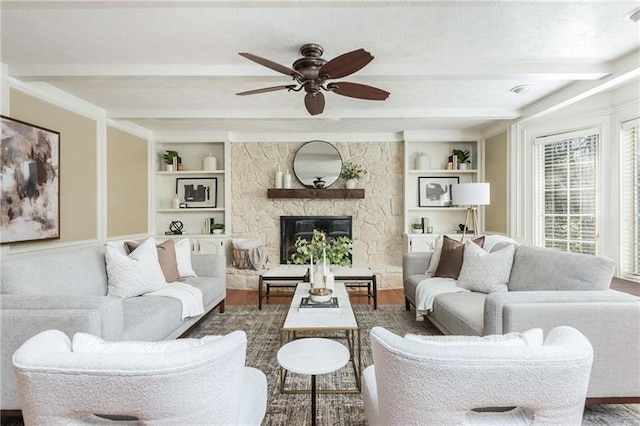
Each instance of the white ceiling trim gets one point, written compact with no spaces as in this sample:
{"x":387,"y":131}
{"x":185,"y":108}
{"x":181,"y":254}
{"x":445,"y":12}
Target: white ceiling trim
{"x":494,"y":71}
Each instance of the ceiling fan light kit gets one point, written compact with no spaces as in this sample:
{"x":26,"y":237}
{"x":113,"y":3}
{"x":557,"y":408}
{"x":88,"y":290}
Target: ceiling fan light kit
{"x":311,"y":73}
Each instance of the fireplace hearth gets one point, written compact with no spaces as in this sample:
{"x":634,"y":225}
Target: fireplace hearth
{"x":294,"y":227}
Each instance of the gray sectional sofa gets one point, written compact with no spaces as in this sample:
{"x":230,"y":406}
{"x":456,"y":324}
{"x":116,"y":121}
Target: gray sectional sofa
{"x":66,"y":290}
{"x":546,"y":289}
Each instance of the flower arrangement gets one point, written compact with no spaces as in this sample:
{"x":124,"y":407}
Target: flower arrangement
{"x":352,"y":171}
{"x":338,"y":250}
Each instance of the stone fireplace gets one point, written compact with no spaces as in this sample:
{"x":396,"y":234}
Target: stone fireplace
{"x":294,"y":227}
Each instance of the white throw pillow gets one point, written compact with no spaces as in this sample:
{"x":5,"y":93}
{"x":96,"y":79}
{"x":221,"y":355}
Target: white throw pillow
{"x":435,"y":256}
{"x":183,"y":258}
{"x":88,"y":343}
{"x":532,"y":337}
{"x":135,"y":274}
{"x":486,"y":272}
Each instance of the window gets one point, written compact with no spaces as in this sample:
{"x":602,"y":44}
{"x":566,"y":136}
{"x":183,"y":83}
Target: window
{"x":566,"y":184}
{"x":629,"y":198}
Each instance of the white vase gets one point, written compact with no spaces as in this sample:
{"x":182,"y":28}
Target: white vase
{"x":210,"y":163}
{"x":462,"y":166}
{"x":350,"y":184}
{"x":423,"y":161}
{"x":169,"y":167}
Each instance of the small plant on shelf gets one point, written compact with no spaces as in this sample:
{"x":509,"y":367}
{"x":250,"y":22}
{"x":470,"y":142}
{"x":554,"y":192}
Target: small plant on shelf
{"x":338,"y":250}
{"x":417,"y":228}
{"x":168,"y":158}
{"x":352,"y":171}
{"x":217,"y":228}
{"x":463,"y":155}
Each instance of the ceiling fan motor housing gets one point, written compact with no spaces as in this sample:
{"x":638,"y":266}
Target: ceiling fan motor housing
{"x":311,"y":60}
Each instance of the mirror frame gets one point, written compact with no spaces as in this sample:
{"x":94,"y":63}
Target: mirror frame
{"x":297,"y":160}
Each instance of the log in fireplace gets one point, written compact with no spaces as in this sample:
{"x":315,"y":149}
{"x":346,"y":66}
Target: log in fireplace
{"x":294,"y":227}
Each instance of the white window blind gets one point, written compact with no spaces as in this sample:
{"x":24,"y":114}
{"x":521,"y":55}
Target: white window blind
{"x":567,"y":191}
{"x":629,"y":198}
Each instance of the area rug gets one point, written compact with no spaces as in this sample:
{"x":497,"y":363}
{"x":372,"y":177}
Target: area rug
{"x":263,"y":333}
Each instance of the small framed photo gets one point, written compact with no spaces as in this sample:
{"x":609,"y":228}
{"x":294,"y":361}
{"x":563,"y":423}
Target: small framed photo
{"x":197,"y":193}
{"x":435,"y":191}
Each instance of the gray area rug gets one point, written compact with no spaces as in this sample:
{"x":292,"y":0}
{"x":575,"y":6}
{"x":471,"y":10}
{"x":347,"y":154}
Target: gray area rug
{"x":263,"y":333}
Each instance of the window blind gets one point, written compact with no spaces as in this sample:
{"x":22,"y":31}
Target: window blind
{"x":629,"y":198}
{"x":567,"y":190}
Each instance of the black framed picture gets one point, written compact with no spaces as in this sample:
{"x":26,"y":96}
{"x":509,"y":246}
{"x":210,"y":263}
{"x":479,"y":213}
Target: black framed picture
{"x":197,"y":193}
{"x":435,"y":191}
{"x":30,"y":183}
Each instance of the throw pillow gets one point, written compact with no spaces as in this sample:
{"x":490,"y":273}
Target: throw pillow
{"x":532,"y":337}
{"x":166,"y":258}
{"x":451,"y":257}
{"x":88,"y":343}
{"x":435,"y":256}
{"x":486,"y":272}
{"x":183,"y":258}
{"x":246,"y":243}
{"x":135,"y":274}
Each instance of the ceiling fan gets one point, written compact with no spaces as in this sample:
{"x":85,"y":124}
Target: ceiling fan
{"x":311,"y":73}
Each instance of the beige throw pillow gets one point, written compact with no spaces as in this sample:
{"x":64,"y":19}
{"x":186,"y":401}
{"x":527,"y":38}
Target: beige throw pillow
{"x":451,"y":257}
{"x":166,"y":258}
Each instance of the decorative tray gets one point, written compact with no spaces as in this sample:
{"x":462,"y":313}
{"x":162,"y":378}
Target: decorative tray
{"x":307,"y":304}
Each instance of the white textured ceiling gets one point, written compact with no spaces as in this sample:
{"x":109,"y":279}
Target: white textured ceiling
{"x":173,"y":66}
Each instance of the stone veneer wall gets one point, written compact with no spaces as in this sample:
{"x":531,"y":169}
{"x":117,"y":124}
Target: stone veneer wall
{"x":377,"y":219}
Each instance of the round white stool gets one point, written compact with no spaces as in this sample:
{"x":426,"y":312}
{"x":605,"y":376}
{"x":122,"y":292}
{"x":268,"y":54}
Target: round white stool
{"x":313,"y":356}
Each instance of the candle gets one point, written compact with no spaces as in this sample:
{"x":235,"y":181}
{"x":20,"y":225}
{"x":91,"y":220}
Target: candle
{"x":311,"y":270}
{"x":324,"y":262}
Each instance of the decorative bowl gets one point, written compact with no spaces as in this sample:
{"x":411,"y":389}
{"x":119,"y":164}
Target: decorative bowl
{"x":320,"y":295}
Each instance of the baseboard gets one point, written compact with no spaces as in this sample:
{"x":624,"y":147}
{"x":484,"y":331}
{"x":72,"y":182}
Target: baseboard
{"x":614,"y":400}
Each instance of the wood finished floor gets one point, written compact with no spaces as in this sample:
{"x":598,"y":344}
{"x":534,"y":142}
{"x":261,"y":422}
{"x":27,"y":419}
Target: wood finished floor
{"x":385,"y":297}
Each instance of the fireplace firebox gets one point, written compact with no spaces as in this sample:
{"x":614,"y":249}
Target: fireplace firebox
{"x":294,"y":227}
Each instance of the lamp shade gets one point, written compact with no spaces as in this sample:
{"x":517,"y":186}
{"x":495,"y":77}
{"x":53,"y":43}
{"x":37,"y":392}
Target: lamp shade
{"x":471,"y":194}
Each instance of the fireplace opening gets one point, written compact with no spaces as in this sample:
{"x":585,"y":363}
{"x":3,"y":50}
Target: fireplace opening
{"x":294,"y":227}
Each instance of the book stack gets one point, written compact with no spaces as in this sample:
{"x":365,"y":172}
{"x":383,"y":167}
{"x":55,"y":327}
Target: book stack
{"x":307,"y":305}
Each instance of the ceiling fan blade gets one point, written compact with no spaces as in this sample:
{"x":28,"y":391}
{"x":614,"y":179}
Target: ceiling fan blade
{"x":314,"y":103}
{"x":357,"y":90}
{"x":266,"y":89}
{"x":270,"y":64}
{"x":345,"y":64}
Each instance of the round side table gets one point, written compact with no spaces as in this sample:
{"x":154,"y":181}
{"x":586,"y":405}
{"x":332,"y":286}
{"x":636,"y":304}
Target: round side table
{"x":313,"y":356}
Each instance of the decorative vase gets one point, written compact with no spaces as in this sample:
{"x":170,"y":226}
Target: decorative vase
{"x":210,"y":163}
{"x":423,"y":161}
{"x":350,"y":184}
{"x":462,"y":166}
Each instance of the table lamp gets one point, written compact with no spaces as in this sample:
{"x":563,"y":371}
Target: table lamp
{"x":472,"y":195}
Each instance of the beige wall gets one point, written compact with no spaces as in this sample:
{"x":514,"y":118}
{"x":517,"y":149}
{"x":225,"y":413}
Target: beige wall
{"x":78,"y":177}
{"x":496,"y":175}
{"x":127,"y":183}
{"x":377,"y":219}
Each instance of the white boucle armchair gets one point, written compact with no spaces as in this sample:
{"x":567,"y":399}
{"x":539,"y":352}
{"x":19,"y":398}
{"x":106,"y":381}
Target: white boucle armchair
{"x":208,"y":384}
{"x":437,"y":382}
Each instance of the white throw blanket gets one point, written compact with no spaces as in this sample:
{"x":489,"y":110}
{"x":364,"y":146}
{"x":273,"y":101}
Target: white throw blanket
{"x":188,"y":295}
{"x":428,"y":289}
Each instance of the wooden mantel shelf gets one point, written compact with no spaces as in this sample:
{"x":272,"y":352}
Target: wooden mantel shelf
{"x":315,"y":193}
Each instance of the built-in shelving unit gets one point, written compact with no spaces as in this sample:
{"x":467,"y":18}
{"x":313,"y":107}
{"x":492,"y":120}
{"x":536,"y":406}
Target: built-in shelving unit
{"x":438,"y":148}
{"x":192,"y":154}
{"x":315,"y":193}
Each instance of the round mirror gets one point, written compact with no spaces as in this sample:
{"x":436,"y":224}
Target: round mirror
{"x":317,"y":164}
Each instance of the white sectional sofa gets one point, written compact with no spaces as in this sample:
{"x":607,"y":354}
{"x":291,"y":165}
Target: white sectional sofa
{"x":546,"y":289}
{"x":67,"y":290}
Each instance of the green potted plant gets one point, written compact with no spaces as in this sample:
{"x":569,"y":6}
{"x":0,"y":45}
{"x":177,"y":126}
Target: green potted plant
{"x":338,"y":250}
{"x":463,"y":158}
{"x":217,"y":228}
{"x":352,"y":172}
{"x":168,"y":157}
{"x":417,"y":228}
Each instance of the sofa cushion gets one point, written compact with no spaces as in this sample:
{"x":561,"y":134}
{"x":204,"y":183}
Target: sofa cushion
{"x":532,"y":337}
{"x":79,"y":272}
{"x":212,"y":288}
{"x":135,"y":274}
{"x":150,"y":317}
{"x":460,"y":313}
{"x":538,"y":268}
{"x":486,"y":272}
{"x":88,"y":343}
{"x":166,"y":258}
{"x":435,"y":256}
{"x":451,"y":257}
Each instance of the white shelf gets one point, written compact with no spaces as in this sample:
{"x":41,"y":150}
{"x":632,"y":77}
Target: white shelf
{"x":442,"y":171}
{"x":191,"y":210}
{"x":192,"y":172}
